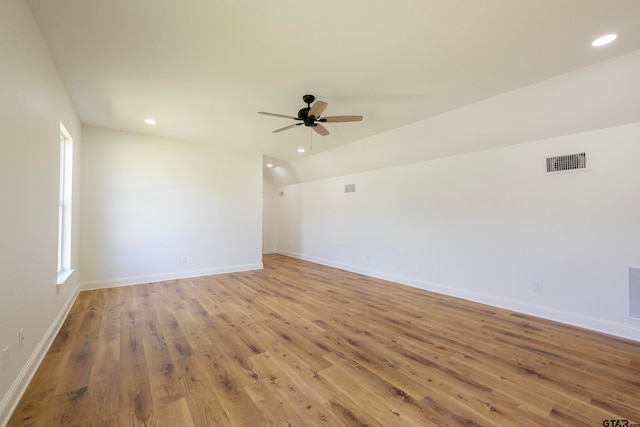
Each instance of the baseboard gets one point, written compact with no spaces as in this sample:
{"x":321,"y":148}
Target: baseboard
{"x":594,"y":324}
{"x":19,"y":386}
{"x":138,"y":280}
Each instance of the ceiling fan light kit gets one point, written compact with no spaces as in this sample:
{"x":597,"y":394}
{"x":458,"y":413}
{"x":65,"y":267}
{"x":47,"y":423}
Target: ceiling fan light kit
{"x":311,"y":116}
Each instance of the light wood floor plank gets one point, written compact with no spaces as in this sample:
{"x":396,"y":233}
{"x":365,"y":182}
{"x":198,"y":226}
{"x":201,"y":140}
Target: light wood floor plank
{"x":299,"y":344}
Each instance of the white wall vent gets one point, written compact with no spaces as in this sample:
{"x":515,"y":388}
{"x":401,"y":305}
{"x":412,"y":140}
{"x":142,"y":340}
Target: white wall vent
{"x":350,"y":188}
{"x":634,"y":292}
{"x":568,"y":162}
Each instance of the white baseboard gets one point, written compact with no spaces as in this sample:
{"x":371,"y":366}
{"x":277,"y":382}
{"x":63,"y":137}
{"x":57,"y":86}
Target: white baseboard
{"x":19,"y":386}
{"x":138,"y":280}
{"x":599,"y":325}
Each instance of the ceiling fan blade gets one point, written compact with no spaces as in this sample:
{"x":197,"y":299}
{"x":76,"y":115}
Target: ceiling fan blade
{"x":317,"y":109}
{"x":341,"y":119}
{"x":320,"y":129}
{"x":278,"y":115}
{"x":286,"y":127}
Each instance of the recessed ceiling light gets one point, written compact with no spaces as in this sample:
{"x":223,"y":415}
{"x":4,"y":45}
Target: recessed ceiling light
{"x":300,"y":150}
{"x":150,"y":121}
{"x":601,"y":41}
{"x":269,"y":165}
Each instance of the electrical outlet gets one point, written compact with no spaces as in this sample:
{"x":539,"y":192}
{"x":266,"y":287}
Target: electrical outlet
{"x":537,"y":287}
{"x":185,"y":259}
{"x":20,"y":336}
{"x":5,"y":358}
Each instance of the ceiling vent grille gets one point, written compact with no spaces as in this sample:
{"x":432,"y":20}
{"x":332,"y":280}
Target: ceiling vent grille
{"x":350,"y":188}
{"x":634,"y":292}
{"x":567,"y":163}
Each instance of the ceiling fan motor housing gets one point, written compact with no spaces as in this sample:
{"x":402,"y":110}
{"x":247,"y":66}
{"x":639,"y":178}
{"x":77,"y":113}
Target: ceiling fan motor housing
{"x":303,"y":114}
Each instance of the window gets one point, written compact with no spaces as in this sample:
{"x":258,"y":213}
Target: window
{"x":64,"y":206}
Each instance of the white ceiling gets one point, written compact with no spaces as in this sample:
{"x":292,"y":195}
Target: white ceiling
{"x":203,"y":68}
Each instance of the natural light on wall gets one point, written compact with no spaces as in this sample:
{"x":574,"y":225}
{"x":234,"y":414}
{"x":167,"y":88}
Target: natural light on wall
{"x":64,"y":206}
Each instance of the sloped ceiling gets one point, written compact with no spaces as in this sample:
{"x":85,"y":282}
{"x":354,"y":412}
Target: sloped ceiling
{"x":203,"y":68}
{"x":602,"y":95}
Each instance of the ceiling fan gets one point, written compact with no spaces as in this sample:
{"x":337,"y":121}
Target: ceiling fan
{"x":310,"y":116}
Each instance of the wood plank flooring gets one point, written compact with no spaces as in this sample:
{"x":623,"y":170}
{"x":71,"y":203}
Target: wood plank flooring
{"x":298,"y":344}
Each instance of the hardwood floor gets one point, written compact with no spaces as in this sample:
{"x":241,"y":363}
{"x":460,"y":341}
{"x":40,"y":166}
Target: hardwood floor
{"x":299,"y":344}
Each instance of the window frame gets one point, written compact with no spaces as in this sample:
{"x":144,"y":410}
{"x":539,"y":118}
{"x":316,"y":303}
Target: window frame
{"x":65,"y":198}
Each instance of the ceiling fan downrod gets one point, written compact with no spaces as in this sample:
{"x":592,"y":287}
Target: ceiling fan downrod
{"x":303,"y":113}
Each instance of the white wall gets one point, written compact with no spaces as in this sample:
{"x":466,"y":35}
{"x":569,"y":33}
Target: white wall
{"x":147,"y":202}
{"x":268,"y":217}
{"x":33,"y":102}
{"x":487,"y":226}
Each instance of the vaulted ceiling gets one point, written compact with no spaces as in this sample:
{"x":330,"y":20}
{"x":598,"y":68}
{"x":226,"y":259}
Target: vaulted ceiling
{"x":203,"y":68}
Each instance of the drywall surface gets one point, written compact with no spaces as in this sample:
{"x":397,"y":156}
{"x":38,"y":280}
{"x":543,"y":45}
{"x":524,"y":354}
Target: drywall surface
{"x":489,"y":226}
{"x":33,"y":102}
{"x":158,"y":209}
{"x":268,"y":217}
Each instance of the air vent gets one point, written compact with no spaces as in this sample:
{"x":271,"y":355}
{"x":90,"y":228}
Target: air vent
{"x":350,"y":188}
{"x":634,"y":292}
{"x":567,"y":163}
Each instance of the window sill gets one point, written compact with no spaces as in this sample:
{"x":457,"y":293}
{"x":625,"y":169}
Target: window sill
{"x":63,"y":276}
